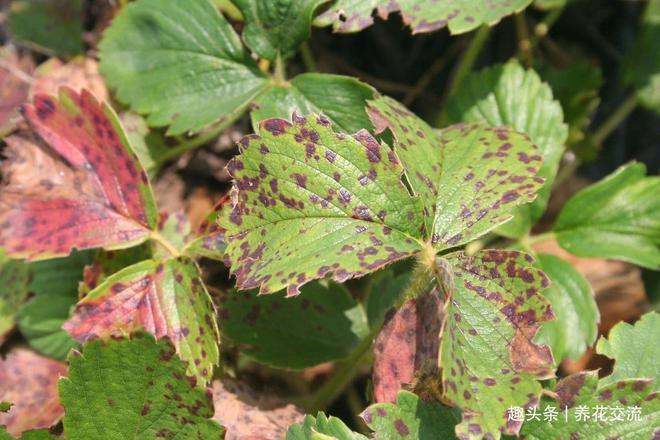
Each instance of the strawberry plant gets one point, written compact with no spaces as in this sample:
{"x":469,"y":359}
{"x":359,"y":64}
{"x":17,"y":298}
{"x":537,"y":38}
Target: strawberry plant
{"x":214,"y":232}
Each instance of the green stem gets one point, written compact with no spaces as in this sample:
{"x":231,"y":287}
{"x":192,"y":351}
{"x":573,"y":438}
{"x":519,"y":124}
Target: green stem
{"x":524,"y":43}
{"x":614,"y":120}
{"x":534,"y":239}
{"x":279,"y":72}
{"x":542,"y":29}
{"x":307,"y":57}
{"x":165,"y":243}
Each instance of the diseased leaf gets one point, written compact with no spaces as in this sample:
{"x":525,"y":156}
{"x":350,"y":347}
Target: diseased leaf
{"x":248,"y":415}
{"x":420,"y":15}
{"x":340,"y":98}
{"x":106,"y":263}
{"x":635,"y":350}
{"x":323,"y":324}
{"x":411,"y":418}
{"x":322,"y":427}
{"x":179,"y":62}
{"x":487,"y":356}
{"x":55,"y":25}
{"x":617,"y":217}
{"x":573,"y":303}
{"x":99,"y":198}
{"x":14,"y":277}
{"x":641,"y":67}
{"x":276,"y":27}
{"x":29,"y":382}
{"x":581,"y":391}
{"x":133,"y":389}
{"x":469,"y":177}
{"x":166,"y":298}
{"x":15,"y":73}
{"x":510,"y":95}
{"x":209,"y":239}
{"x":78,"y":74}
{"x":311,"y":203}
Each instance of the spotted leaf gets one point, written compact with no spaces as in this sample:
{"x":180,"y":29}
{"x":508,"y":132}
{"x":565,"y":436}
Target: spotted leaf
{"x":420,"y":15}
{"x":97,"y":195}
{"x":469,"y":177}
{"x":609,"y":408}
{"x":135,"y":388}
{"x":29,"y":382}
{"x":209,"y":239}
{"x":311,"y":202}
{"x":164,"y":298}
{"x":487,"y":356}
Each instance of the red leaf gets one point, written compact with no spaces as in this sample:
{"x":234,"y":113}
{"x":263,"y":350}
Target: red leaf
{"x":29,"y":381}
{"x":102,"y":200}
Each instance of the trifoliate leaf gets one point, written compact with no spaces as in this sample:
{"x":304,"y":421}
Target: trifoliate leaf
{"x":276,"y":27}
{"x":246,"y":414}
{"x":510,"y":95}
{"x":179,"y":62}
{"x":322,"y":427}
{"x":323,"y":324}
{"x":29,"y":382}
{"x":469,"y":177}
{"x":635,"y":350}
{"x":14,"y":276}
{"x":166,"y":298}
{"x":97,"y":195}
{"x":411,"y":418}
{"x":617,"y":217}
{"x":641,"y":67}
{"x":573,"y":303}
{"x":56,"y":25}
{"x":133,"y":389}
{"x":312,"y":202}
{"x":77,"y":74}
{"x":487,"y":356}
{"x":14,"y":87}
{"x":625,"y":409}
{"x":421,"y":15}
{"x":340,"y":98}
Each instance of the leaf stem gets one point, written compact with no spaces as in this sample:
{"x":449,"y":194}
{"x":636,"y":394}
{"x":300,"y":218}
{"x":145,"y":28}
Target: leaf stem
{"x":307,"y":57}
{"x":524,"y":41}
{"x":614,"y":120}
{"x":534,"y":239}
{"x":165,"y":243}
{"x":279,"y":70}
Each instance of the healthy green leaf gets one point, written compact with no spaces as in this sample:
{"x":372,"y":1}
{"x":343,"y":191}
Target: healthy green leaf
{"x":573,"y":303}
{"x":179,"y":62}
{"x":411,"y":418}
{"x":340,"y":98}
{"x":277,"y":27}
{"x":641,"y":67}
{"x":634,"y":349}
{"x":149,"y":145}
{"x":133,"y":389}
{"x":323,"y":324}
{"x":14,"y":277}
{"x":166,"y":298}
{"x":56,"y":25}
{"x":469,"y":177}
{"x":312,"y":202}
{"x":383,"y":295}
{"x":617,"y":217}
{"x":609,"y":411}
{"x":510,"y":95}
{"x":421,"y":15}
{"x":487,"y":356}
{"x":322,"y":427}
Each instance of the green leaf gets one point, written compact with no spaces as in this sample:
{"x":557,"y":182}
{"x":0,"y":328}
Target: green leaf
{"x":322,"y":427}
{"x":166,"y":298}
{"x":55,"y":25}
{"x":510,"y":95}
{"x":580,"y":393}
{"x":420,"y":15}
{"x":487,"y":356}
{"x":323,"y":324}
{"x":572,"y":299}
{"x":383,"y":295}
{"x":469,"y":177}
{"x":149,"y":145}
{"x":277,"y":27}
{"x":641,"y":68}
{"x":617,"y":217}
{"x":550,"y":4}
{"x":133,"y":389}
{"x":312,"y":202}
{"x":411,"y":418}
{"x":38,"y":434}
{"x":634,"y":349}
{"x":14,"y":276}
{"x":340,"y":98}
{"x":179,"y":62}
